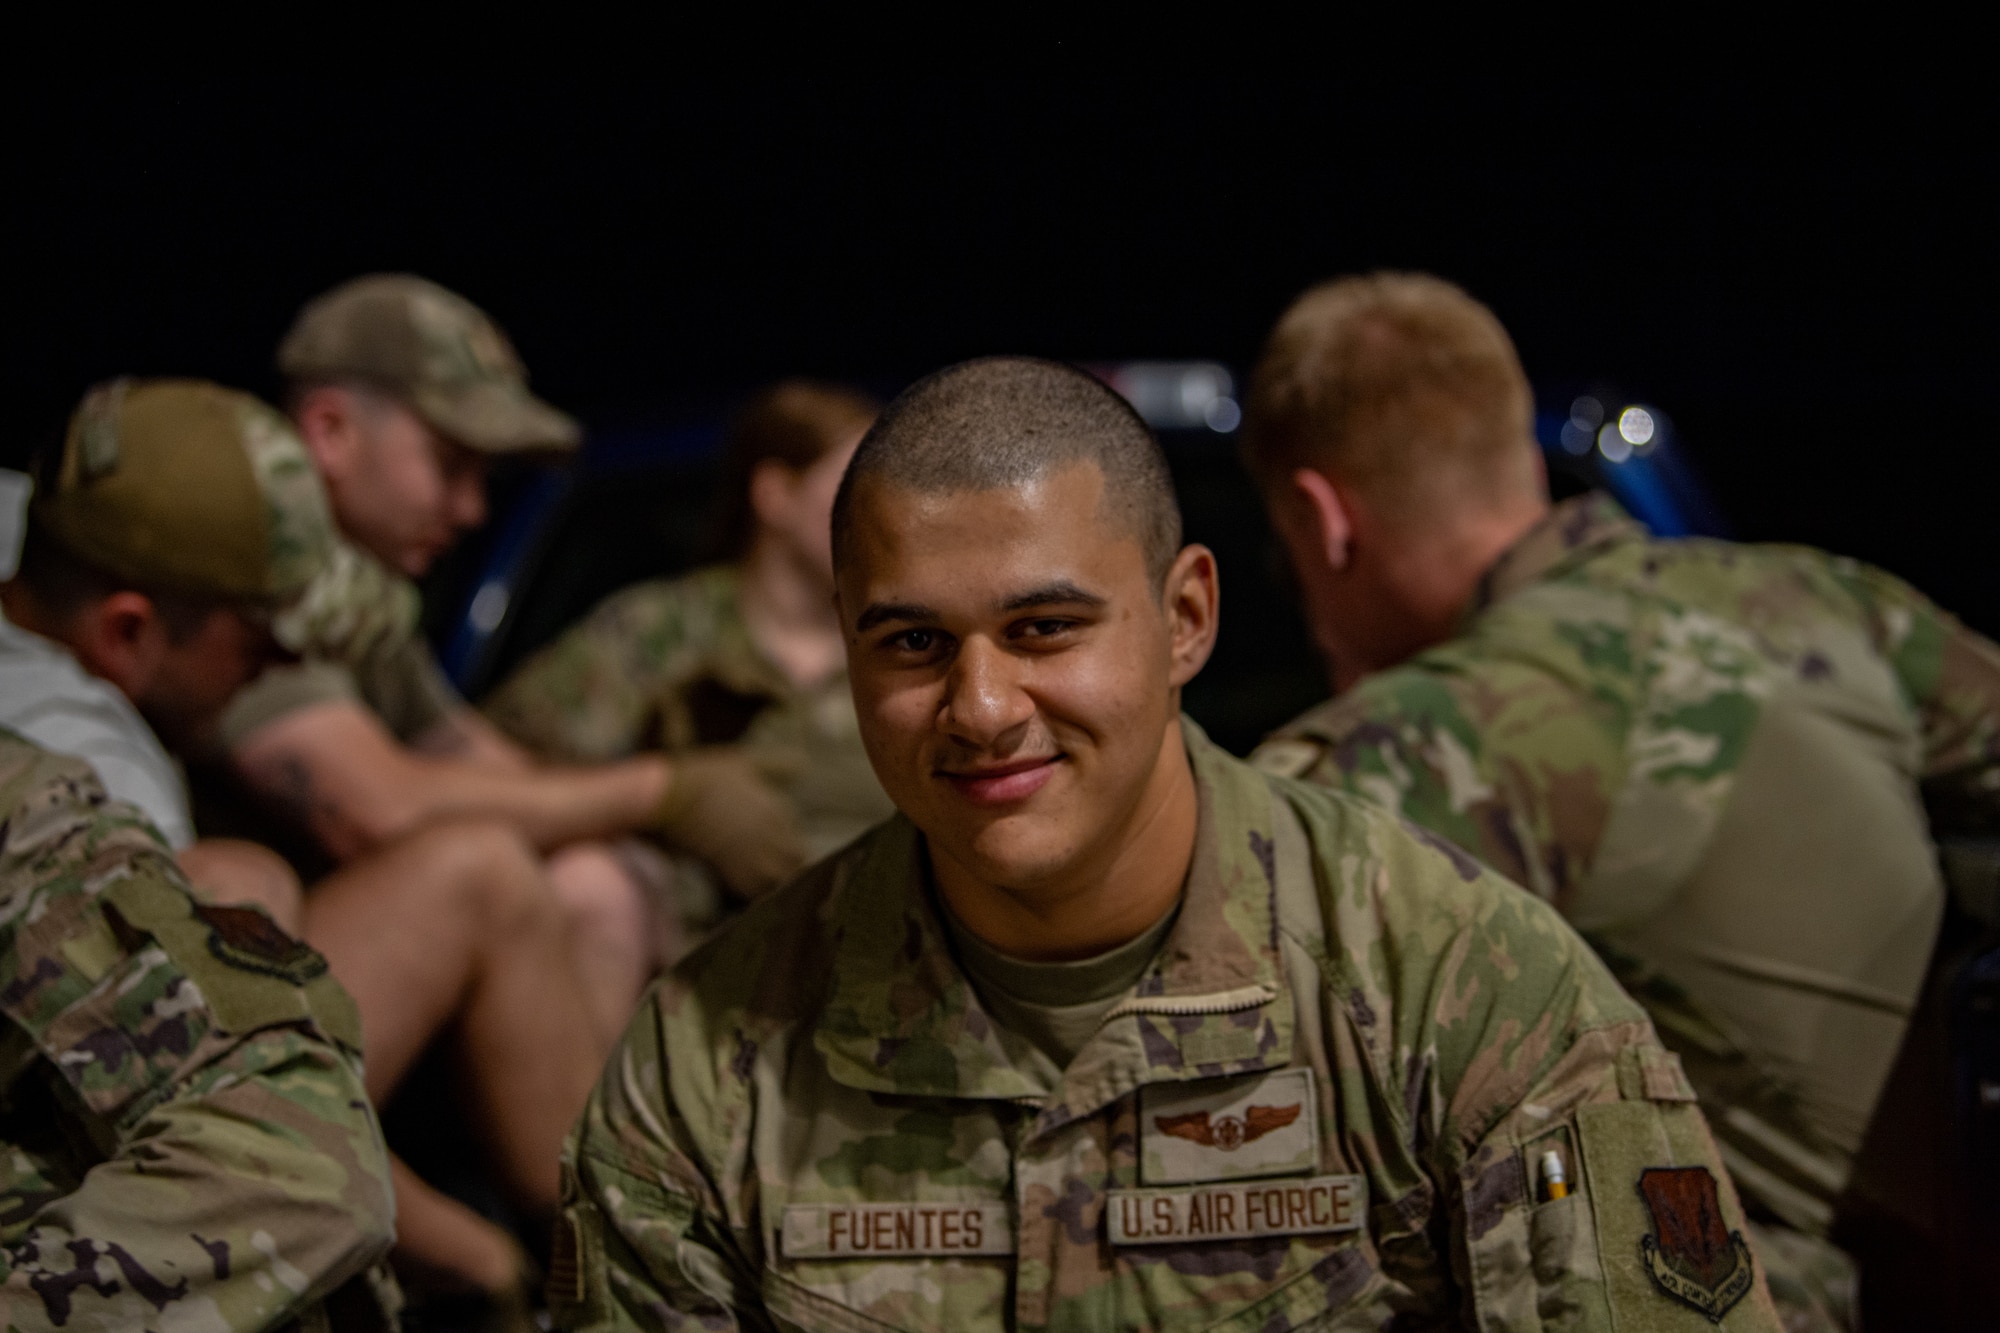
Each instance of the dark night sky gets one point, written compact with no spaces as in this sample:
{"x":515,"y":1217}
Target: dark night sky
{"x":1803,"y":281}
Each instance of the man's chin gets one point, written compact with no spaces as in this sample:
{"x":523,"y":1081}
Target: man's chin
{"x":1019,"y":852}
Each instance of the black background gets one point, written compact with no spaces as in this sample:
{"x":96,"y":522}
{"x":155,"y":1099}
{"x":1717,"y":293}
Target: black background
{"x":1801,"y":278}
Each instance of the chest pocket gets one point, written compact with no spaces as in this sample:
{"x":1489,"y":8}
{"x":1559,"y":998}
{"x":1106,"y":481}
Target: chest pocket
{"x":1267,"y":1283}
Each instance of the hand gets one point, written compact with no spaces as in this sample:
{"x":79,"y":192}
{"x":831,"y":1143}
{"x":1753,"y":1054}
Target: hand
{"x":722,"y":809}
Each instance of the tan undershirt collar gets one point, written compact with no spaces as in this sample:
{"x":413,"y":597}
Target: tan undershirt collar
{"x":1056,"y":1006}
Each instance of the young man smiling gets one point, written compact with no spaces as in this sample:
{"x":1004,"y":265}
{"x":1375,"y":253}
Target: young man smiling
{"x":1106,"y":1029}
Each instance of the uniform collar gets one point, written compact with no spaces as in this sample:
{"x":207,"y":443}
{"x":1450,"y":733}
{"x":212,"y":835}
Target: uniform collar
{"x":901,"y":1017}
{"x":1572,"y":532}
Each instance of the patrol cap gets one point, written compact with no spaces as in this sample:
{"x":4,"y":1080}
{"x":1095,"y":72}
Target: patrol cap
{"x":434,"y":350}
{"x":186,"y":486}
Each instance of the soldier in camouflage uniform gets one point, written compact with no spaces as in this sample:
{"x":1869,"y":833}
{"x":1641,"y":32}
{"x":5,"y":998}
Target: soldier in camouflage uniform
{"x":185,"y":1141}
{"x":1714,"y":759}
{"x":1106,"y":1029}
{"x":187,"y":488}
{"x":741,"y":658}
{"x":404,"y":394}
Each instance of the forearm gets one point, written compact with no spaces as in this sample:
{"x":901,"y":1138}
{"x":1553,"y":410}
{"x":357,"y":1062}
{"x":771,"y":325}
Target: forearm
{"x":550,"y":807}
{"x":356,"y":787}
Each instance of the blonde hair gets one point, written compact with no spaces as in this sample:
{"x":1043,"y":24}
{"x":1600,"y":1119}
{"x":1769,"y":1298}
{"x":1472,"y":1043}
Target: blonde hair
{"x":1399,"y":384}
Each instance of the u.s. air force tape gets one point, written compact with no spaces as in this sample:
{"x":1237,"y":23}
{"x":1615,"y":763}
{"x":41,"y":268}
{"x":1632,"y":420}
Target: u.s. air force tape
{"x":1293,"y":1207}
{"x":888,"y":1230}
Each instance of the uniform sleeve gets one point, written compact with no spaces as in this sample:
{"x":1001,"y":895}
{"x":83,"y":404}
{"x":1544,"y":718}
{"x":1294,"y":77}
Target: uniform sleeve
{"x":282,"y":690}
{"x":1520,"y":776}
{"x":404,"y":685}
{"x":215,"y":1162}
{"x":594,"y":693}
{"x":641,"y":1242}
{"x":242,"y":1196}
{"x":1511,"y":1045}
{"x":1952,"y":676}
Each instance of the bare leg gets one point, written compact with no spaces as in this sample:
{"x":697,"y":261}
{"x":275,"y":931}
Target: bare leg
{"x":232,"y":871}
{"x":611,"y":927}
{"x":456,"y":925}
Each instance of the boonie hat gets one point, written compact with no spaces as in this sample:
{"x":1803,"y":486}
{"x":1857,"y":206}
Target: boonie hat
{"x":184,"y":485}
{"x":434,"y":350}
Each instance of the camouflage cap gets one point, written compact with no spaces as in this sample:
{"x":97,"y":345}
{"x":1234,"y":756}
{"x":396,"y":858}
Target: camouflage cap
{"x":434,"y":350}
{"x":186,"y":485}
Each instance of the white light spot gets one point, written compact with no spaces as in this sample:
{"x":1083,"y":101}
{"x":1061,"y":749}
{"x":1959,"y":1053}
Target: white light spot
{"x":1222,"y":415}
{"x":289,"y":1277}
{"x":1615,"y":447}
{"x":1587,"y":413}
{"x":489,"y":607}
{"x":1635,"y":425}
{"x":1576,"y":438}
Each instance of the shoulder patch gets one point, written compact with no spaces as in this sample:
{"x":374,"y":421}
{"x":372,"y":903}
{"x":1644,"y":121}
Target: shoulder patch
{"x":245,"y":938}
{"x":1692,"y":1256}
{"x":1286,"y":756}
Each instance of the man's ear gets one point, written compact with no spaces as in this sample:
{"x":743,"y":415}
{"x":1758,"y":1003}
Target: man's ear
{"x":773,"y":489}
{"x":120,"y":639}
{"x":1333,"y":524}
{"x":325,"y":418}
{"x":1193,"y":597}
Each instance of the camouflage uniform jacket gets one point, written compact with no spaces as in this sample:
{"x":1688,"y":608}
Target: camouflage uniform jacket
{"x":1710,"y":757}
{"x":1325,"y":1105}
{"x":670,"y":664}
{"x":185,"y":1142}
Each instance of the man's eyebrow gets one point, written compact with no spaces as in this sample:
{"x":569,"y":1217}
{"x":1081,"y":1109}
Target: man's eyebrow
{"x":882,"y":613}
{"x":1062,"y":591}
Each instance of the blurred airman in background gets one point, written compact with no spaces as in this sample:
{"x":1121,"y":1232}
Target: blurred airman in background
{"x":1724,"y":763}
{"x":739,"y":664}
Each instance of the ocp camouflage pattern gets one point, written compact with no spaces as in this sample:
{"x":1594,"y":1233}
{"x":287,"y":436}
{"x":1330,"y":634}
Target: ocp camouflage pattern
{"x":669,"y":664}
{"x":1634,"y":728}
{"x":352,"y":608}
{"x":187,"y":1142}
{"x":1439,"y":1029}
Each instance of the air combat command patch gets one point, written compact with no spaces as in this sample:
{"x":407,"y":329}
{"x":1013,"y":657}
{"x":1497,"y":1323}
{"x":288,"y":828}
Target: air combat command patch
{"x":1692,"y":1255}
{"x":244,"y":937}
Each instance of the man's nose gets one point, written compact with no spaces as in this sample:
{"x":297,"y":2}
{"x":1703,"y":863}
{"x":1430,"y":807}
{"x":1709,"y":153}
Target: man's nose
{"x":984,"y":701}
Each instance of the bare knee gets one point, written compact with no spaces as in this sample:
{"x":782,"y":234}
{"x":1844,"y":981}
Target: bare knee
{"x":231,"y":871}
{"x":597,"y":893}
{"x":480,"y":867}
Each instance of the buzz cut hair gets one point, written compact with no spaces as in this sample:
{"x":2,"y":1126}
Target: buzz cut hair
{"x":1398,"y":383}
{"x":1005,"y":421}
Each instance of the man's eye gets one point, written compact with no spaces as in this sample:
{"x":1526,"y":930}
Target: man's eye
{"x":915,"y":640}
{"x":1044,"y":629}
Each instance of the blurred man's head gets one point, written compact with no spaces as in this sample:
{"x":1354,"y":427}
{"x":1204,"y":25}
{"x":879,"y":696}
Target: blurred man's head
{"x":782,"y":461}
{"x":174,"y":520}
{"x":1390,"y":427}
{"x":404,"y":392}
{"x":1020,"y":617}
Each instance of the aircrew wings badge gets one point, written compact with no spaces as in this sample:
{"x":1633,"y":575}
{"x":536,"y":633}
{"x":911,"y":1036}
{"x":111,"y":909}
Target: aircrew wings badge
{"x":1228,"y":1129}
{"x":1228,"y":1132}
{"x":1692,"y":1255}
